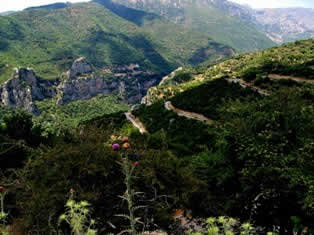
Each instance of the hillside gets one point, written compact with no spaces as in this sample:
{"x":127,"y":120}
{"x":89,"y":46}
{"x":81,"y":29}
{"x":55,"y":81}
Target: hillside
{"x":292,"y":62}
{"x":206,"y":17}
{"x":49,"y":38}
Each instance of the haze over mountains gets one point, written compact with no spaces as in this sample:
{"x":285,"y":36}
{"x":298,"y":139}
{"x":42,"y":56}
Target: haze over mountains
{"x":280,"y":25}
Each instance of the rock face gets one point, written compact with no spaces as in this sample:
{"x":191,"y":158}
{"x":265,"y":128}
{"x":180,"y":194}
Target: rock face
{"x":24,"y":88}
{"x":79,"y":83}
{"x":84,"y":88}
{"x":287,"y":24}
{"x":79,"y":67}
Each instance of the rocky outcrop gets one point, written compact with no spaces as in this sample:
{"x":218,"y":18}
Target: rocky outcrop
{"x":79,"y":83}
{"x":84,"y":88}
{"x":24,"y":88}
{"x":80,"y":67}
{"x":155,"y":93}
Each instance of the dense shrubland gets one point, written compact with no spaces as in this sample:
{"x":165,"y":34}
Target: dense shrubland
{"x":254,"y":164}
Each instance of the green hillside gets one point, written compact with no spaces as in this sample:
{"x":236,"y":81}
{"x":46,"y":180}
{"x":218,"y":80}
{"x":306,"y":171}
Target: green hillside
{"x":204,"y":16}
{"x":291,"y":62}
{"x":48,"y":39}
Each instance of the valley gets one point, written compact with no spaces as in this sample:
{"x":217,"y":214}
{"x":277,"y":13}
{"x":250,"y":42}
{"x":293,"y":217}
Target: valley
{"x":156,"y":117}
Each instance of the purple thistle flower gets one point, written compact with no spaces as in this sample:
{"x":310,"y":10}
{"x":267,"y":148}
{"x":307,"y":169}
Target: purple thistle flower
{"x":115,"y":147}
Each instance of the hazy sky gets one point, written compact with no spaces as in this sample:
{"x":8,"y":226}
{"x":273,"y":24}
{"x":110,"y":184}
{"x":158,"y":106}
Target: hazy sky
{"x":13,"y":5}
{"x":277,"y":3}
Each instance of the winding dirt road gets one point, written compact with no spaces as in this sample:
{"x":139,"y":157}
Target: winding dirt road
{"x":271,"y":76}
{"x":187,"y":114}
{"x":190,"y":115}
{"x":245,"y":84}
{"x":136,"y":123}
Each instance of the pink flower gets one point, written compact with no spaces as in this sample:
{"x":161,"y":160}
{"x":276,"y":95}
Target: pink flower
{"x":136,"y":164}
{"x":2,"y":189}
{"x":115,"y":147}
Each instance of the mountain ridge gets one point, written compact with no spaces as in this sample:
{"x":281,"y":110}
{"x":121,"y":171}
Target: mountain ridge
{"x":43,"y":39}
{"x":204,"y":16}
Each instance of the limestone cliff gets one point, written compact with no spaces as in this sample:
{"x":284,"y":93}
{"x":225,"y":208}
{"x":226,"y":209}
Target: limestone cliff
{"x":24,"y":88}
{"x":80,"y":82}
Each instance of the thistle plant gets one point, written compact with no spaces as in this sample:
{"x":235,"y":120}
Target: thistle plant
{"x":128,"y":168}
{"x":226,"y":226}
{"x":4,"y":230}
{"x":247,"y":229}
{"x":77,"y":215}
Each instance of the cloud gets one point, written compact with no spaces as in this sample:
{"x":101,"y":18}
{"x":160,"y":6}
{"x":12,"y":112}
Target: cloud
{"x":16,"y":5}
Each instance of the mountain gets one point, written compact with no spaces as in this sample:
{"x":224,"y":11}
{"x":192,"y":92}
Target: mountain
{"x":49,"y":39}
{"x":287,"y":24}
{"x":92,"y":49}
{"x":279,"y":24}
{"x":206,"y":16}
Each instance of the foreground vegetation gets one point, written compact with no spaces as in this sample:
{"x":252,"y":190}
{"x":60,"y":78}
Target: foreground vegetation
{"x":254,"y":163}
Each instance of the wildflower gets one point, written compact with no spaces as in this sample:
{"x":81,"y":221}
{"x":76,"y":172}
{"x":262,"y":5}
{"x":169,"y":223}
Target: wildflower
{"x":2,"y":189}
{"x":136,"y":164}
{"x":125,"y":139}
{"x":115,"y":147}
{"x":126,"y":145}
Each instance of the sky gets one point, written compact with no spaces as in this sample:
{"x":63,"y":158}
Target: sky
{"x":14,"y":5}
{"x":277,"y":3}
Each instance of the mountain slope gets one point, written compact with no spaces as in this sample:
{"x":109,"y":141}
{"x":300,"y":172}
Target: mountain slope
{"x":49,"y":39}
{"x":205,"y":16}
{"x":286,"y":25}
{"x":279,"y":24}
{"x":291,"y":62}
